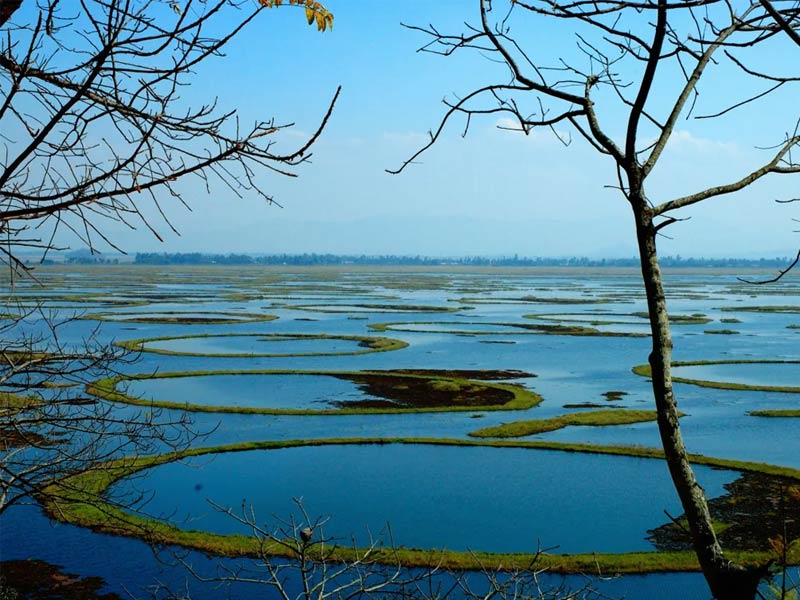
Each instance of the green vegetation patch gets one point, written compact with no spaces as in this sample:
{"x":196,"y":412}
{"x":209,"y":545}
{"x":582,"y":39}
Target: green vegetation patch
{"x":182,"y":317}
{"x":374,"y":308}
{"x":388,"y":391}
{"x":79,"y":499}
{"x":597,"y":418}
{"x":535,"y":300}
{"x":693,"y":319}
{"x":14,"y":434}
{"x":721,"y":332}
{"x":514,"y":329}
{"x":645,"y":371}
{"x":366,"y":343}
{"x":776,"y":413}
{"x":10,"y":401}
{"x":765,"y":309}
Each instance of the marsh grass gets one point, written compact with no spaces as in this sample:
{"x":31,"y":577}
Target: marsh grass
{"x":595,"y":418}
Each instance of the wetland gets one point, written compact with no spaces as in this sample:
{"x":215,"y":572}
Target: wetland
{"x":362,"y":391}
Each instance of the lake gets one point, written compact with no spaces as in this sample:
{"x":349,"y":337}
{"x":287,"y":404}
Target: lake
{"x":587,"y":335}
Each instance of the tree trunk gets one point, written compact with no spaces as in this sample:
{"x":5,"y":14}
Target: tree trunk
{"x":727,"y":581}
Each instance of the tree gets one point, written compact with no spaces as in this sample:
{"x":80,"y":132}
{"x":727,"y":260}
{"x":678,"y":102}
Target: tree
{"x":93,"y":127}
{"x":641,"y":71}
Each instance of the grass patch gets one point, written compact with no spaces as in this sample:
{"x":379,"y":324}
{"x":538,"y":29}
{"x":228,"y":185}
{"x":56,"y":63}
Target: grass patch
{"x":721,"y":332}
{"x":513,"y":329}
{"x":693,"y":319}
{"x":390,"y":392}
{"x":374,"y":308}
{"x":366,"y":343}
{"x":10,"y":401}
{"x":174,"y":317}
{"x":598,"y":418}
{"x":765,"y":309}
{"x":78,"y":499}
{"x":777,"y":413}
{"x":645,"y":371}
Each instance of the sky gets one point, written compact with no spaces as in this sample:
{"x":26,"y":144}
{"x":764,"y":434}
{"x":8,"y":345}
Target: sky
{"x":493,"y":192}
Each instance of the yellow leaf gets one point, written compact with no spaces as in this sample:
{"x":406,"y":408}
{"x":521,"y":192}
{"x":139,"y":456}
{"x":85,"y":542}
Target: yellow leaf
{"x":309,"y":15}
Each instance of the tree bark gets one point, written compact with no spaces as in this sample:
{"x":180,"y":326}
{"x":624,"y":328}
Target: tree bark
{"x":726,"y":580}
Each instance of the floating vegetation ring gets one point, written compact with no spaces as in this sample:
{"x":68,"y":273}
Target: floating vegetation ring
{"x":475,"y":328}
{"x":383,"y":392}
{"x":81,"y":499}
{"x":74,"y":303}
{"x":645,"y":371}
{"x":611,"y":318}
{"x":373,"y":308}
{"x":170,"y":317}
{"x":763,"y":309}
{"x":537,"y":300}
{"x":365,"y":344}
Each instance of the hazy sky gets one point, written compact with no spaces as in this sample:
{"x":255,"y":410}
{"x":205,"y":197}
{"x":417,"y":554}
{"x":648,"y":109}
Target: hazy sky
{"x":493,"y":192}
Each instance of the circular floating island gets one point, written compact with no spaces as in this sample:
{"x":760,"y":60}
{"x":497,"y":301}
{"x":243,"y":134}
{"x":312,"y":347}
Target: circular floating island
{"x":363,"y":482}
{"x":615,"y":318}
{"x":320,"y":392}
{"x":373,"y":308}
{"x":170,"y":317}
{"x":244,"y":345}
{"x":495,"y":328}
{"x":750,"y":375}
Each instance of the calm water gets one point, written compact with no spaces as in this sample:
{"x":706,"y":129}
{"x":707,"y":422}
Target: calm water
{"x":253,"y":391}
{"x":768,"y":374}
{"x":254,"y":344}
{"x":494,"y":499}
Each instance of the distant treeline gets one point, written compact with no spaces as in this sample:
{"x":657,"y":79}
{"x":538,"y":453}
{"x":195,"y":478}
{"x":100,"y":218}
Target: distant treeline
{"x":198,"y":258}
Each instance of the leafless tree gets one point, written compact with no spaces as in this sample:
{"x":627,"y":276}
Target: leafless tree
{"x":646,"y":61}
{"x":94,"y":126}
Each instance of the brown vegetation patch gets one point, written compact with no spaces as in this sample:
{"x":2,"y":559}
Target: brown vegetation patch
{"x":754,"y":513}
{"x":36,"y":579}
{"x":391,"y":391}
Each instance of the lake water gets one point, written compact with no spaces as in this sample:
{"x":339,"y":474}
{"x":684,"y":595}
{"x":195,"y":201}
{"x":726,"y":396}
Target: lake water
{"x":460,"y":498}
{"x":433,"y":496}
{"x":317,"y":392}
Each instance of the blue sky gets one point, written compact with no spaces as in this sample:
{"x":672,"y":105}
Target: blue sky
{"x":492,"y":193}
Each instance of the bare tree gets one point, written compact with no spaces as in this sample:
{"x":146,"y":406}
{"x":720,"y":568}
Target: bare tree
{"x":629,"y":55}
{"x":94,"y":126}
